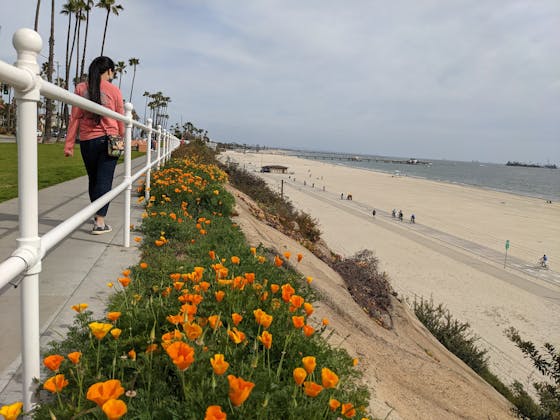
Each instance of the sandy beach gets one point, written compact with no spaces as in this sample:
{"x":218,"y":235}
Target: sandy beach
{"x":453,"y":254}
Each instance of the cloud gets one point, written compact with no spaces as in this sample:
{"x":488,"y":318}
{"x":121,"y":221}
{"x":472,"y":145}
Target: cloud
{"x":399,"y":78}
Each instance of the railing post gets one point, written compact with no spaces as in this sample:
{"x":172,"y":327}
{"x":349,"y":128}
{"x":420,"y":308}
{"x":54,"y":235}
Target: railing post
{"x":127,"y":172}
{"x":28,"y":44}
{"x":148,"y":161}
{"x":158,"y":145}
{"x":167,"y":145}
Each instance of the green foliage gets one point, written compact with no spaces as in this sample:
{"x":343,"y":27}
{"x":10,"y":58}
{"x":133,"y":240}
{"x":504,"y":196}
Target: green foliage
{"x":186,"y":265}
{"x":453,"y":334}
{"x":547,"y":361}
{"x":273,"y":203}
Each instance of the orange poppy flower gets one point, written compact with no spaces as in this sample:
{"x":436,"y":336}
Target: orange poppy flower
{"x":274,"y":288}
{"x":239,"y":390}
{"x":192,"y":330}
{"x":311,"y":389}
{"x":308,"y":330}
{"x":250,"y":277}
{"x":348,"y":410}
{"x":299,"y":257}
{"x":287,"y":292}
{"x":159,"y":242}
{"x":236,"y":336}
{"x":151,"y":348}
{"x":236,"y":318}
{"x":74,"y":357}
{"x":113,"y":316}
{"x":126,"y":272}
{"x":101,"y":392}
{"x":99,"y":329}
{"x":219,"y":295}
{"x":80,"y":307}
{"x":266,"y":320}
{"x":298,"y":321}
{"x":328,"y":378}
{"x":143,"y":265}
{"x":212,"y":255}
{"x":125,"y":281}
{"x":325,"y":322}
{"x":176,"y":319}
{"x":253,"y":250}
{"x":334,"y":404}
{"x":175,"y":276}
{"x":261,"y":259}
{"x":214,"y":412}
{"x":308,"y":308}
{"x":214,"y":321}
{"x":53,"y":362}
{"x":354,"y":362}
{"x":309,"y":279}
{"x":114,"y":409}
{"x":204,"y":285}
{"x":278,"y":261}
{"x":235,"y":260}
{"x":12,"y":411}
{"x":287,"y":255}
{"x":132,"y":354}
{"x":299,"y":375}
{"x":181,"y":354}
{"x":116,"y":333}
{"x":309,"y":363}
{"x":55,"y":384}
{"x":266,"y":339}
{"x":264,"y":296}
{"x":219,"y":364}
{"x":296,"y":301}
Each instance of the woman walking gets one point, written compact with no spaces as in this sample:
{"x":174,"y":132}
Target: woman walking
{"x":93,"y":129}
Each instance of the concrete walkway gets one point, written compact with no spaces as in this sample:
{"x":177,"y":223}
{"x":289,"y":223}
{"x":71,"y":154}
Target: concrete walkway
{"x":76,"y":271}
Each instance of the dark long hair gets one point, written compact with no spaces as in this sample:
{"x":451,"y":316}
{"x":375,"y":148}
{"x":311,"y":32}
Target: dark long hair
{"x":97,"y":67}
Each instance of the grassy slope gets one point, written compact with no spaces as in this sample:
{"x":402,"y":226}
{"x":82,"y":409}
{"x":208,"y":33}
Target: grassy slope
{"x":54,"y":168}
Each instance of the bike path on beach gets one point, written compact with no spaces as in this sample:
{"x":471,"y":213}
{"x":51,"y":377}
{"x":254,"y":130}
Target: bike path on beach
{"x":448,"y":244}
{"x":75,"y":271}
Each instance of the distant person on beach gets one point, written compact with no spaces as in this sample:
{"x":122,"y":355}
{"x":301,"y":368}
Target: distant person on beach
{"x":413,"y":218}
{"x":401,"y":215}
{"x":93,"y":130}
{"x":394,"y":213}
{"x":342,"y":196}
{"x":544,"y":261}
{"x":373,"y":212}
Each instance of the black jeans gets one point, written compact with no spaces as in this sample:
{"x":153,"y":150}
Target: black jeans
{"x":100,"y":168}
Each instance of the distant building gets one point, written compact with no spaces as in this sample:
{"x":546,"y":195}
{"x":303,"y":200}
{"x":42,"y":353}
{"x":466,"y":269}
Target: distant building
{"x":275,"y":169}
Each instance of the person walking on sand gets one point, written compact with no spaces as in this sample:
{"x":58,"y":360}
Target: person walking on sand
{"x":93,"y":129}
{"x":412,"y":218}
{"x":401,"y":215}
{"x":373,"y":212}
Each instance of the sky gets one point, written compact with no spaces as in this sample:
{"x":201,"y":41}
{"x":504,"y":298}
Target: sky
{"x":441,"y":79}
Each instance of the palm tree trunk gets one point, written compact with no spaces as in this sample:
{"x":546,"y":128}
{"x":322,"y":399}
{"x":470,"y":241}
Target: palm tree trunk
{"x":105,"y":31}
{"x":85,"y":44}
{"x":132,"y":87}
{"x":36,"y":26}
{"x":78,"y":46}
{"x":49,"y":103}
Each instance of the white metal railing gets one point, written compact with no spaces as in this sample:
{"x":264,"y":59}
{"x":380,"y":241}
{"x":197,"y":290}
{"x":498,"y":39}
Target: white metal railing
{"x":26,"y":259}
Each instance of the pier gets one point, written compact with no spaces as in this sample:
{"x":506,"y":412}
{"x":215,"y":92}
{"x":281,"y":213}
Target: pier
{"x":365,"y":159}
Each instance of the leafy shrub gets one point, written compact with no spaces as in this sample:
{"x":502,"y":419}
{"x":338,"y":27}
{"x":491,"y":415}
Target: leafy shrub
{"x":199,"y":292}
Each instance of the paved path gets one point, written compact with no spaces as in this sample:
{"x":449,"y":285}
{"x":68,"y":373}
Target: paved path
{"x":420,"y":232}
{"x":75,"y":271}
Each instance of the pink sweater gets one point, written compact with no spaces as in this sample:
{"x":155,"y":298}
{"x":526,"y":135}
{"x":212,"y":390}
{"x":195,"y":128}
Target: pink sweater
{"x":83,"y":121}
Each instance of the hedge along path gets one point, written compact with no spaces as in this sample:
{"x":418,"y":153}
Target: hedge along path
{"x":408,"y":372}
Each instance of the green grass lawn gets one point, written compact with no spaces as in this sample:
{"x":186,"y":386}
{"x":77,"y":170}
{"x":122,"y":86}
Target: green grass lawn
{"x":54,"y":168}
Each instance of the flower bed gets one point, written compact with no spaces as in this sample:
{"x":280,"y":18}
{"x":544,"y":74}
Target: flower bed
{"x":203,"y":327}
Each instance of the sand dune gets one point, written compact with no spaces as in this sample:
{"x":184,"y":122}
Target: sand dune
{"x":454,"y":252}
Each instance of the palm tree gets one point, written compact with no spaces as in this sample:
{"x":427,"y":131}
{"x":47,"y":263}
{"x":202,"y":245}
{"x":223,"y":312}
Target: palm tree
{"x":36,"y":26}
{"x":109,"y":6}
{"x":120,"y":70}
{"x":146,"y":94}
{"x":133,"y":62}
{"x":80,"y":7}
{"x":50,"y":105}
{"x":68,"y":9}
{"x":88,"y":4}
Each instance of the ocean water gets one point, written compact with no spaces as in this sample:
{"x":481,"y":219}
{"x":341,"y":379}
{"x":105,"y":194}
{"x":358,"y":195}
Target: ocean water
{"x":534,"y":182}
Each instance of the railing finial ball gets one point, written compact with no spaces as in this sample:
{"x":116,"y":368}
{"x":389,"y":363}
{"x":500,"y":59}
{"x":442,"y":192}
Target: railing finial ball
{"x":26,"y":39}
